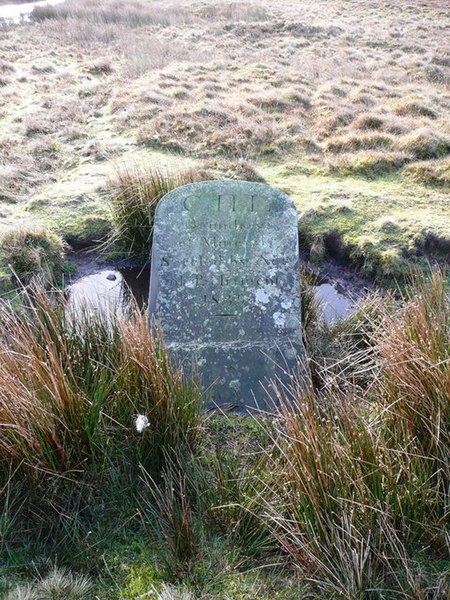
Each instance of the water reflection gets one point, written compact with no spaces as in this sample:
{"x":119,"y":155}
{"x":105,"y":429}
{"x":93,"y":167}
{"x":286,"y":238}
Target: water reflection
{"x":110,"y":291}
{"x":334,"y":304}
{"x":116,"y":290}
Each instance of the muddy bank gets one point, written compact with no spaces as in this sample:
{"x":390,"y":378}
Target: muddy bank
{"x":344,"y":276}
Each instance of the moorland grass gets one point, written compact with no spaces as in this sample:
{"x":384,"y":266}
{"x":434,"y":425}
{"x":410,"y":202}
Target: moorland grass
{"x":363,"y":477}
{"x":347,"y":489}
{"x":384,"y":253}
{"x":134,"y":195}
{"x":73,"y":384}
{"x":339,"y":91}
{"x":32,"y":254}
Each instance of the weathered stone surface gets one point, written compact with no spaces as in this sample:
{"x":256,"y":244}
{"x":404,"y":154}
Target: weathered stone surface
{"x":225,"y":286}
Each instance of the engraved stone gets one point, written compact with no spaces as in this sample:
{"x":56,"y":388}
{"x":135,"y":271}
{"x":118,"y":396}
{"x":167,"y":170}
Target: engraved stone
{"x":225,"y":287}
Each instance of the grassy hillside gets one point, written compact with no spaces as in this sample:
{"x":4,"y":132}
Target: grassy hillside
{"x":344,"y":105}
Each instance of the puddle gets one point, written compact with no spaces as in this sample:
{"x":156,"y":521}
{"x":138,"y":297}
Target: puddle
{"x":334,"y":304}
{"x":110,"y":290}
{"x":17,"y":13}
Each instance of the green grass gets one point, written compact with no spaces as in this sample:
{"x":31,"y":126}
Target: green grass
{"x":350,"y":215}
{"x":77,"y":206}
{"x":342,"y":495}
{"x":347,"y":216}
{"x":380,"y":225}
{"x":32,"y":255}
{"x":293,"y":102}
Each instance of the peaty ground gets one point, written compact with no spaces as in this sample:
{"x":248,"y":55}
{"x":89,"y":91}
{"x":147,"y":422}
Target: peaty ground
{"x":343,"y":104}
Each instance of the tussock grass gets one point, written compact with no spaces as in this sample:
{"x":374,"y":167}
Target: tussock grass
{"x":348,"y":484}
{"x":58,"y":584}
{"x":415,"y":108}
{"x":33,"y":254}
{"x":101,"y":12}
{"x":416,"y":369}
{"x":368,"y":141}
{"x":70,"y":386}
{"x":140,"y":14}
{"x":171,"y":593}
{"x":425,"y":144}
{"x":371,"y":163}
{"x":352,"y":481}
{"x":135,"y":192}
{"x":171,"y":518}
{"x":363,"y":485}
{"x":292,"y":84}
{"x":433,"y":172}
{"x":369,"y":121}
{"x":207,"y":496}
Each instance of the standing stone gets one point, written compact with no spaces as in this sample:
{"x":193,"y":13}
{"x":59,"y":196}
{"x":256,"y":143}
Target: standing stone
{"x":225,"y":287}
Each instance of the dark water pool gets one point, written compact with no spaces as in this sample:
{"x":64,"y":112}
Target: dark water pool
{"x":115,"y":290}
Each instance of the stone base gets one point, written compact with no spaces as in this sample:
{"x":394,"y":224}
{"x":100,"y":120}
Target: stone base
{"x":243,"y":375}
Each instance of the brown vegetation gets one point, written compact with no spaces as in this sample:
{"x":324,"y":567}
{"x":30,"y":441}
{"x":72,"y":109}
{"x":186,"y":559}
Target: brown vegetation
{"x":197,"y":79}
{"x":345,"y":488}
{"x":337,"y":87}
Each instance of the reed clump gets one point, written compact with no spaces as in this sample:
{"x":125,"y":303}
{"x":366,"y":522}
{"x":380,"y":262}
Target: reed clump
{"x":134,"y":195}
{"x":345,"y":485}
{"x":72,"y":385}
{"x":361,"y":476}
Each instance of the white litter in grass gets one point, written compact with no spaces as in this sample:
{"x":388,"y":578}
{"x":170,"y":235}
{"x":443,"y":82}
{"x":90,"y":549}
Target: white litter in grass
{"x":141,"y":422}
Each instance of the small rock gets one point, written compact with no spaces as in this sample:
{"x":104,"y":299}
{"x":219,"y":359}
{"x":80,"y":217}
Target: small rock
{"x":111,"y":277}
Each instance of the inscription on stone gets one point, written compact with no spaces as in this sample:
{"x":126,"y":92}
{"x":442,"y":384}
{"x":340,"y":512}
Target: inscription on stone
{"x":225,"y":286}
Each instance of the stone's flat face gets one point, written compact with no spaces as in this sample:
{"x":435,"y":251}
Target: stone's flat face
{"x":225,"y":286}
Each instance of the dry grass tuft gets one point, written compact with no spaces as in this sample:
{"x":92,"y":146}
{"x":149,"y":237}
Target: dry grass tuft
{"x":416,"y":366}
{"x":354,"y":142}
{"x":32,"y":254}
{"x":371,"y":164}
{"x":171,"y":593}
{"x":388,"y":223}
{"x":432,"y":172}
{"x":362,"y":475}
{"x":415,"y":108}
{"x":425,"y":144}
{"x":57,"y":584}
{"x":71,"y":386}
{"x":135,"y":192}
{"x":369,"y":121}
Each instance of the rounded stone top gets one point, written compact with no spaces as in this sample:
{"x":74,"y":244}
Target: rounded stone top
{"x":226,"y":195}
